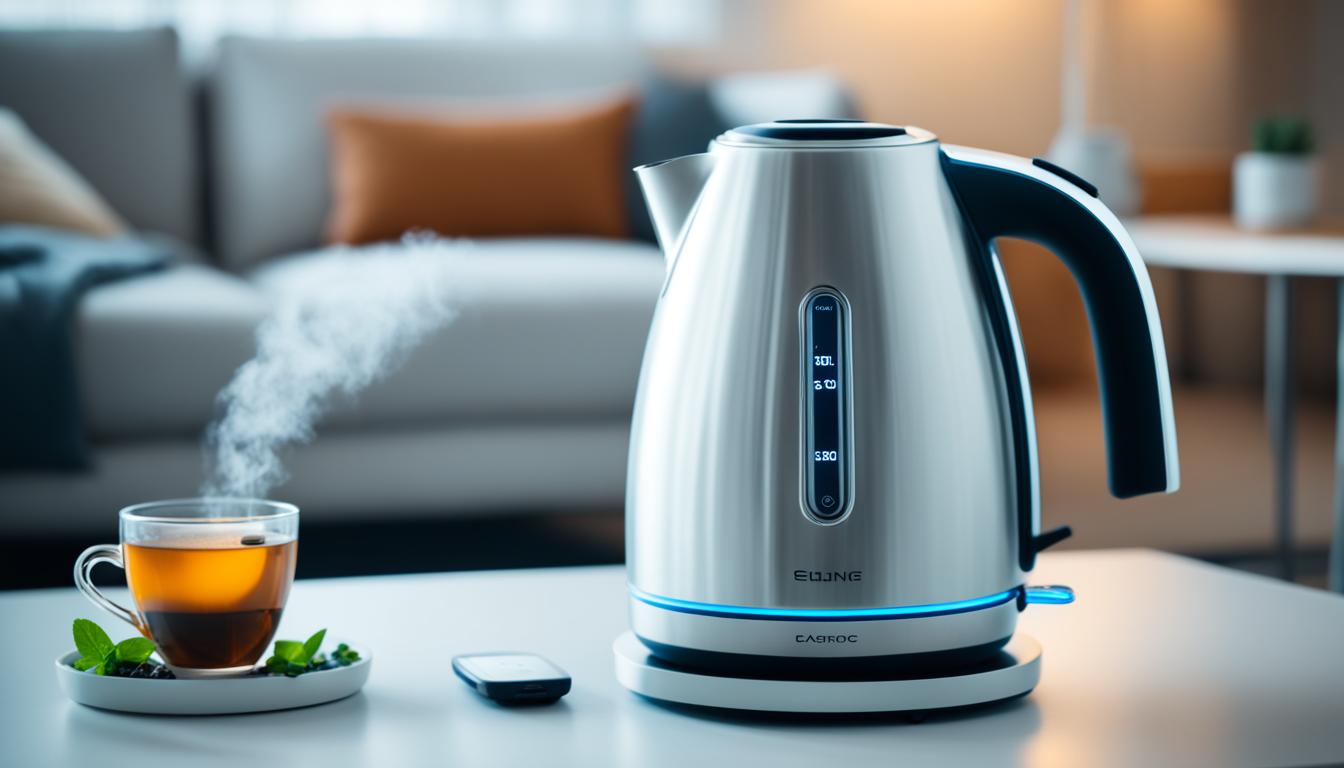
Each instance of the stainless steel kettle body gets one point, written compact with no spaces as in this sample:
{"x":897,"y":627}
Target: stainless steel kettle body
{"x":832,"y":460}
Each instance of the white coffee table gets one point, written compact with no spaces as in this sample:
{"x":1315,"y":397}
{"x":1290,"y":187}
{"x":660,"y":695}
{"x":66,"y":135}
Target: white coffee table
{"x":1162,"y":661}
{"x":1214,"y":243}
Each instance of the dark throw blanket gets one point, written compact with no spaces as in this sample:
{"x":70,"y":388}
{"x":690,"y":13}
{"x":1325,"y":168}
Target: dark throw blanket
{"x":43,"y":274}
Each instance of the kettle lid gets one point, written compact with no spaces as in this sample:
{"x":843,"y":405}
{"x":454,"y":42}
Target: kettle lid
{"x":828,"y":131}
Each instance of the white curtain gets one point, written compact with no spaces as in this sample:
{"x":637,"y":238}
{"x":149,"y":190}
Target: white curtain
{"x":201,"y":22}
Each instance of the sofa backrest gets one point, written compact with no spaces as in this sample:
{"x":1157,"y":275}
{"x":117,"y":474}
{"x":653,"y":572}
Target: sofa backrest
{"x":118,"y":108}
{"x":742,"y":98}
{"x":269,"y":98}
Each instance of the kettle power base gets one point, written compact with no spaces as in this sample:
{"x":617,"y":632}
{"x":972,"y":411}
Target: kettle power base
{"x":1014,"y":672}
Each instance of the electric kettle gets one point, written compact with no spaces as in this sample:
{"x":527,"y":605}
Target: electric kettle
{"x":833,"y":459}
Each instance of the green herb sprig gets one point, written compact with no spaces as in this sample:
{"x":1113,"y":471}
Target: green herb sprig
{"x":292,"y":658}
{"x":130,"y":657}
{"x":98,"y":653}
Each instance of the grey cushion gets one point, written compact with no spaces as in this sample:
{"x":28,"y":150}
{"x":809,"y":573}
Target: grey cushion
{"x":549,"y":330}
{"x":270,"y":178}
{"x":115,"y":105}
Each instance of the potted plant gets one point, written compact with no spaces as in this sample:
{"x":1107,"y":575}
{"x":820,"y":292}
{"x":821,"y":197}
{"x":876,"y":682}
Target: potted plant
{"x":1274,"y":185}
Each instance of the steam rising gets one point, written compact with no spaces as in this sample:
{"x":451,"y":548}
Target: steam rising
{"x":340,"y":322}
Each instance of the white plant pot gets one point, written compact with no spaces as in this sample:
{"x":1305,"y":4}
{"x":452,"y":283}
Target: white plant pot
{"x":1274,"y":191}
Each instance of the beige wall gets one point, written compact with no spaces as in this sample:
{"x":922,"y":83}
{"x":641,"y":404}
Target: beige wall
{"x":976,"y":72}
{"x":1182,"y":79}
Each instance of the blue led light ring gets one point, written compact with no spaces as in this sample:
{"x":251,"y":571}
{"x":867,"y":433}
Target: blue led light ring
{"x":825,"y":614}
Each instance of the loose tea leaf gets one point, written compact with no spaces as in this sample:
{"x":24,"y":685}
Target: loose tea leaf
{"x":344,"y":655}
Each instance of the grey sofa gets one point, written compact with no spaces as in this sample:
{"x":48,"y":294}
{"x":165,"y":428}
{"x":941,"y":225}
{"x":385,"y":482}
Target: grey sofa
{"x":231,"y":161}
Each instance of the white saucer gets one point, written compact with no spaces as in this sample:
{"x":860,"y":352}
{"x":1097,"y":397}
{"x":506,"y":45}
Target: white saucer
{"x":231,"y":695}
{"x":1015,"y":672}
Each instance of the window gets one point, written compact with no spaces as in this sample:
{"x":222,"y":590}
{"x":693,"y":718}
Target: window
{"x":201,"y":22}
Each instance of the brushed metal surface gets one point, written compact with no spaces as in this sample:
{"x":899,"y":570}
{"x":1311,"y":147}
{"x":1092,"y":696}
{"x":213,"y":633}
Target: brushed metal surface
{"x":713,"y":503}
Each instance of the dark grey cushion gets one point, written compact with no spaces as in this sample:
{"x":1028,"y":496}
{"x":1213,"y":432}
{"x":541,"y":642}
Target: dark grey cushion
{"x":117,"y":107}
{"x":675,"y":118}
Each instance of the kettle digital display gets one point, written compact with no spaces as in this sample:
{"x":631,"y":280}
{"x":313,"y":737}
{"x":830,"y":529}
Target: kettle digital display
{"x":825,"y":394}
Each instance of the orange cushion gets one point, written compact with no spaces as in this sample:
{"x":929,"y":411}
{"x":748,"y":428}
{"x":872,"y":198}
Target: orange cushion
{"x":557,"y":173}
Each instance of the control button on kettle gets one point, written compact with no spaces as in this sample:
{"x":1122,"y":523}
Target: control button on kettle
{"x":1066,"y":174}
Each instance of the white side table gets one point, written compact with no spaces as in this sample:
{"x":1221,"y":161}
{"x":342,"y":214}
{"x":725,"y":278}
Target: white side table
{"x":1162,"y":661}
{"x":1214,"y":243}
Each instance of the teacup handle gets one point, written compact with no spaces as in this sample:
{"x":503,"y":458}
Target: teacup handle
{"x":110,"y":554}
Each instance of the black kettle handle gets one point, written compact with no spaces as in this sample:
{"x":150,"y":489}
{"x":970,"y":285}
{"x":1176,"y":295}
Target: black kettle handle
{"x":1004,"y":195}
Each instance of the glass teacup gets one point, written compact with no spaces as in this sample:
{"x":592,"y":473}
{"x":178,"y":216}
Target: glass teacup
{"x":209,"y":578}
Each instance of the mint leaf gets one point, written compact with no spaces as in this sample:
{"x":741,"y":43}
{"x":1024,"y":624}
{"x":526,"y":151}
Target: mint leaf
{"x":108,"y":663}
{"x":292,"y":658}
{"x":134,"y":650}
{"x":290,"y":650}
{"x":278,"y":666}
{"x":311,"y":645}
{"x":90,"y":639}
{"x":86,"y":663}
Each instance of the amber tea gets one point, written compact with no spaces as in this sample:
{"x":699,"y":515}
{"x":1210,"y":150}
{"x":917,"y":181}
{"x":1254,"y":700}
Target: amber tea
{"x":211,"y":607}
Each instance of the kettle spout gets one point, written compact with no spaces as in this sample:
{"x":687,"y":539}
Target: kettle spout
{"x":671,"y":188}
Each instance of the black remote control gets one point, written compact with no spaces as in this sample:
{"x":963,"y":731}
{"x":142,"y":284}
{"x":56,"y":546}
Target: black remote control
{"x":512,"y":678}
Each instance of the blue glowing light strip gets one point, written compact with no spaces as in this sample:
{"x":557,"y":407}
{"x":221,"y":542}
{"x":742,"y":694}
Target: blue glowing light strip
{"x":1049,"y":595}
{"x":824,"y":614}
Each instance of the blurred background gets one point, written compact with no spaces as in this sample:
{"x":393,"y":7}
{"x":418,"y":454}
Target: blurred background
{"x":203,"y":121}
